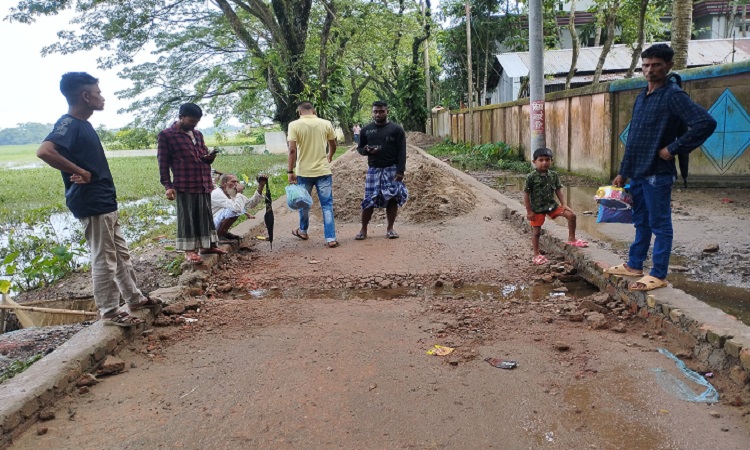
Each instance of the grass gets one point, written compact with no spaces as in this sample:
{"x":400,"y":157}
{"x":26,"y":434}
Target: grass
{"x":18,"y":155}
{"x":496,"y":155}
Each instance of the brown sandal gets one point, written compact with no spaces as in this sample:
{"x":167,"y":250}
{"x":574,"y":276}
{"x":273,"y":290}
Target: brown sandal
{"x":332,"y":244}
{"x":149,"y":303}
{"x":122,"y":319}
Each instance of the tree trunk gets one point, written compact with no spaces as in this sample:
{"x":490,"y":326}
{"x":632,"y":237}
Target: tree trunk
{"x":598,"y":29}
{"x":731,"y":20}
{"x":483,"y":100}
{"x":611,"y":15}
{"x":576,"y":44}
{"x":641,"y":37}
{"x":682,"y":27}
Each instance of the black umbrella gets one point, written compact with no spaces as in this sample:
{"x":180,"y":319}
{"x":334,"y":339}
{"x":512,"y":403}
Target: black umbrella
{"x":683,"y":160}
{"x":268,"y":217}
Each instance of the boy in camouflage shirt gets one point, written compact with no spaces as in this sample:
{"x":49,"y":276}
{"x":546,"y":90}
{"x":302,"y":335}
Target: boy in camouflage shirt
{"x":539,"y":192}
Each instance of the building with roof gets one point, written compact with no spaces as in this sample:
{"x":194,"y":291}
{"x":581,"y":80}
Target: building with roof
{"x":514,"y":67}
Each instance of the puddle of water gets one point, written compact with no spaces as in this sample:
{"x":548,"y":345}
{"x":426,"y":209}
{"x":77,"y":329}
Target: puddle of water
{"x":732,"y":300}
{"x":519,"y":293}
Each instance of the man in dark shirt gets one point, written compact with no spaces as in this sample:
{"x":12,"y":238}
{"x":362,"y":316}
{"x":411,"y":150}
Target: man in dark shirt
{"x":182,"y":151}
{"x":659,"y":112}
{"x":384,"y":144}
{"x":74,"y":148}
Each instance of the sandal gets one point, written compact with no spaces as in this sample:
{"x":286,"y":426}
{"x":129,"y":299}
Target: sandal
{"x":193,"y":257}
{"x":360,"y":236}
{"x":122,"y":319}
{"x":391,"y":235}
{"x":216,"y":250}
{"x":539,"y":260}
{"x":300,"y":234}
{"x":149,"y":303}
{"x":623,"y":270}
{"x":232,"y":236}
{"x":332,"y":244}
{"x":649,"y":283}
{"x":580,"y":243}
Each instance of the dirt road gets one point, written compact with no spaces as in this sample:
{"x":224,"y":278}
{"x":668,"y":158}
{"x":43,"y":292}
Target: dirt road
{"x":310,"y":347}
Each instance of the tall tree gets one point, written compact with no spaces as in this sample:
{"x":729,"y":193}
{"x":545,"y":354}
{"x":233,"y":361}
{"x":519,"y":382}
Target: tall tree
{"x":576,"y":44}
{"x":682,"y":28}
{"x":245,"y":58}
{"x":611,"y":9}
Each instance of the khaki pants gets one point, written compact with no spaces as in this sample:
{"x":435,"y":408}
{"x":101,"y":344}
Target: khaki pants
{"x":112,"y":272}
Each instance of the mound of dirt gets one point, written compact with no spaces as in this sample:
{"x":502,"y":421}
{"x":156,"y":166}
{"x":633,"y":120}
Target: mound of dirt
{"x":421,"y":140}
{"x":434,"y":195}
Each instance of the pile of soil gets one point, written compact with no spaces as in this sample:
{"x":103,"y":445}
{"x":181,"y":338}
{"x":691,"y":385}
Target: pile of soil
{"x":421,"y":140}
{"x":434,"y":195}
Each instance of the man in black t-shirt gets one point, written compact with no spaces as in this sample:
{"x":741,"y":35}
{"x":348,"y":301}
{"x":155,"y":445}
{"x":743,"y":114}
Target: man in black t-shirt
{"x":74,"y":148}
{"x":384,"y":144}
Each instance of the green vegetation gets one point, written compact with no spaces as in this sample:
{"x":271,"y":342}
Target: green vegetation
{"x":17,"y":367}
{"x":39,"y":250}
{"x":18,"y":155}
{"x":498,"y":155}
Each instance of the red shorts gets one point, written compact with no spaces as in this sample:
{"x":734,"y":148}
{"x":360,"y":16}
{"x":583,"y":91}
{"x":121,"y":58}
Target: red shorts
{"x":539,"y":218}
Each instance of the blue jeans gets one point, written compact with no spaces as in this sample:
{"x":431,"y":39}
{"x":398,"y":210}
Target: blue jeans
{"x":652,"y":214}
{"x":324,"y":186}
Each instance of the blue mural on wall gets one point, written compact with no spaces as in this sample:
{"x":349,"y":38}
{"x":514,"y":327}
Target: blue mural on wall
{"x":732,"y":136}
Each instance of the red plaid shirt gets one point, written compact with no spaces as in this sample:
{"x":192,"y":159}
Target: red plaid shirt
{"x":178,"y":153}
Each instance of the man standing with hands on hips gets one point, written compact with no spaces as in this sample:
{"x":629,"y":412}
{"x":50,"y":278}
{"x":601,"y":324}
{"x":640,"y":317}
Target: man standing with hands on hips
{"x":74,"y":148}
{"x":310,"y":165}
{"x":384,"y":144}
{"x":659,"y":112}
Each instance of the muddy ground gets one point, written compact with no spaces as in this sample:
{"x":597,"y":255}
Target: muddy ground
{"x":310,"y":347}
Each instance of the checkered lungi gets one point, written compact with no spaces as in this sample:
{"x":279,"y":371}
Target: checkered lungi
{"x":381,"y":187}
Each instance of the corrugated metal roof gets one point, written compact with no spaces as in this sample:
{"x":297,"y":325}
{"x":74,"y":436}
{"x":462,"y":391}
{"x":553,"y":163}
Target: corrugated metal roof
{"x":704,"y":52}
{"x":512,"y":64}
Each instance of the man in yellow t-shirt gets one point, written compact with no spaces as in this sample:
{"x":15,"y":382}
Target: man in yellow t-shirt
{"x":309,"y":165}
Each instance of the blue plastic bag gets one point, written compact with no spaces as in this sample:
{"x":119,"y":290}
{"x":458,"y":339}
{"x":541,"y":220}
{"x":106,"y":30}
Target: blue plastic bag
{"x":297,"y":197}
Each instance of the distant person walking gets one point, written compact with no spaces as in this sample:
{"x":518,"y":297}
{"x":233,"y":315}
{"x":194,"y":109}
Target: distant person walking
{"x":356,"y":130}
{"x":660,"y":111}
{"x":182,"y":151}
{"x":74,"y":148}
{"x":310,"y":165}
{"x":384,"y":144}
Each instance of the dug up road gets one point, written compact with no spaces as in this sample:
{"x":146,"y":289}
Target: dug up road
{"x":307,"y":347}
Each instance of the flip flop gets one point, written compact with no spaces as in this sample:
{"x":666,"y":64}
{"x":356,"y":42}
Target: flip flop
{"x":193,"y":258}
{"x":391,"y":235}
{"x":122,"y":319}
{"x":332,"y":244}
{"x":540,"y":260}
{"x":300,"y":235}
{"x":650,"y":283}
{"x":360,"y":236}
{"x":622,"y":270}
{"x":580,"y":243}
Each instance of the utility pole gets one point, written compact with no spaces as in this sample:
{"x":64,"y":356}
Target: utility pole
{"x":470,"y":122}
{"x":536,"y":76}
{"x":428,"y":86}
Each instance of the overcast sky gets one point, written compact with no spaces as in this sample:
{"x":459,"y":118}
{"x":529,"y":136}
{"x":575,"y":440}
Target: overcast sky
{"x":31,"y":84}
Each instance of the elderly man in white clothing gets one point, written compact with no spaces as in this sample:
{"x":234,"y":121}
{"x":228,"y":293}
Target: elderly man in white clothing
{"x":228,"y":203}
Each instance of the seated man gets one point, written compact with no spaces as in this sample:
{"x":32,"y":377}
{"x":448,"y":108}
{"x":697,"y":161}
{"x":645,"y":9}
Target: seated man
{"x":228,"y":203}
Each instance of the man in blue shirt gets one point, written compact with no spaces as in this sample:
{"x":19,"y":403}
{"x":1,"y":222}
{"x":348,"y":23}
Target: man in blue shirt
{"x":74,"y":148}
{"x":659,"y":113}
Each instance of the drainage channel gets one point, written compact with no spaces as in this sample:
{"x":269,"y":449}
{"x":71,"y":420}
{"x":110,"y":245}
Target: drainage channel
{"x":481,"y":292}
{"x":732,"y":300}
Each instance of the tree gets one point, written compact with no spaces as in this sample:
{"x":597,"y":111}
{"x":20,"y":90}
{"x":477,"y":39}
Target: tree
{"x":682,"y":27}
{"x":610,"y":14}
{"x":576,"y":43}
{"x":244,"y":58}
{"x":25,"y":133}
{"x":641,"y":22}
